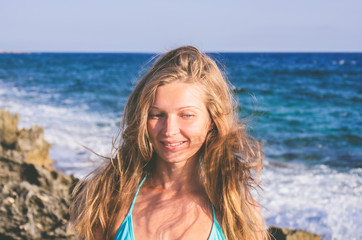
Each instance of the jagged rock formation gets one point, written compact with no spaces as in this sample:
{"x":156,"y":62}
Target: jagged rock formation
{"x":34,"y":198}
{"x":289,"y":234}
{"x":22,"y":145}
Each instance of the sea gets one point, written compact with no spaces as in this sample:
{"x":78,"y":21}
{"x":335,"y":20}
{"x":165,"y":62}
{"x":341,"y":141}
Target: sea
{"x":306,"y":109}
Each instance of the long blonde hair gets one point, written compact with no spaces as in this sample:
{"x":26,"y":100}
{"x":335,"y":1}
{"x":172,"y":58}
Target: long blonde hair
{"x":231,"y":159}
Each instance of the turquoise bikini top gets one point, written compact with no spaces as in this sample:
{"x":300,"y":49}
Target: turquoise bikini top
{"x":125,"y":231}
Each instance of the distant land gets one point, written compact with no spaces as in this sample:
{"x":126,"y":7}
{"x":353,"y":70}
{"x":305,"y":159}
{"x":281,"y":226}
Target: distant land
{"x":14,"y":52}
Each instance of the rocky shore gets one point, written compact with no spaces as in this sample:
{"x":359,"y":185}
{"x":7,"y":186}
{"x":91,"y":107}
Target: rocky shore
{"x":34,"y":197}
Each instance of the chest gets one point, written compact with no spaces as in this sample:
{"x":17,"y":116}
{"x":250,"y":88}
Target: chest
{"x":171,"y":218}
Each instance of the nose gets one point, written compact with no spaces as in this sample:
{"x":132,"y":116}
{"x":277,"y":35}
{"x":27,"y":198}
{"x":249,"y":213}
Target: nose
{"x":171,"y":126}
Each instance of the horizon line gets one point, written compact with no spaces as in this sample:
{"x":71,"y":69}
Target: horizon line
{"x":156,"y":52}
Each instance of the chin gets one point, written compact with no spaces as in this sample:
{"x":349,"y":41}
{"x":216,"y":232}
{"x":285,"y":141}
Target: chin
{"x":174,"y":159}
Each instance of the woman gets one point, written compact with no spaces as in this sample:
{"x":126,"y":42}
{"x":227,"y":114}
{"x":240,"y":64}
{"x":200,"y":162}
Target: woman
{"x":184,"y":166}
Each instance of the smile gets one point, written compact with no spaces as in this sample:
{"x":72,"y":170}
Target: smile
{"x":173,"y":144}
{"x":168,"y":144}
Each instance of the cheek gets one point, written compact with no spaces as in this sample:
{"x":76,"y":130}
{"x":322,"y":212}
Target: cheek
{"x":198,"y":131}
{"x":151,"y":128}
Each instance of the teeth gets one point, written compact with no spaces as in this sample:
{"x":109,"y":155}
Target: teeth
{"x":173,"y":144}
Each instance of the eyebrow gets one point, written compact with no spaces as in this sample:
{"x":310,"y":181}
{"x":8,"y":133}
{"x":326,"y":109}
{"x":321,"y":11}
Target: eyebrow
{"x":181,"y":108}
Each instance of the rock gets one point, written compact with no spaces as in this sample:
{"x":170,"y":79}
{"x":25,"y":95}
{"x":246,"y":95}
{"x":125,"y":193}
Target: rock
{"x":8,"y":129}
{"x":289,"y":234}
{"x":22,"y":145}
{"x":34,"y":198}
{"x":31,"y":141}
{"x":34,"y":202}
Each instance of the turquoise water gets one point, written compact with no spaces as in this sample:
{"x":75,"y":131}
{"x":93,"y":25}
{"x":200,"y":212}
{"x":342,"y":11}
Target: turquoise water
{"x":308,"y":106}
{"x":305,"y":108}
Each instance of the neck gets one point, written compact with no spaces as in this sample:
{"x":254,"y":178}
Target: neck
{"x":179,"y":177}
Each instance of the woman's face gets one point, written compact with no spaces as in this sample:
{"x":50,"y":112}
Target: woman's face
{"x":178,"y":122}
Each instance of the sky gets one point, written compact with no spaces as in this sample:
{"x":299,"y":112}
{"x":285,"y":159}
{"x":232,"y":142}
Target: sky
{"x":160,"y":25}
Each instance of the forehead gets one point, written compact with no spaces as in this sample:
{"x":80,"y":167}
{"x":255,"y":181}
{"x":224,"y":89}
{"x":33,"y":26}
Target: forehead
{"x":179,"y":94}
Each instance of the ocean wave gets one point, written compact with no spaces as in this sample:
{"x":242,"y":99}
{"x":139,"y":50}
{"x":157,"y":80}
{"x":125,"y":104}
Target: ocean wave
{"x":318,"y":199}
{"x":68,"y":129}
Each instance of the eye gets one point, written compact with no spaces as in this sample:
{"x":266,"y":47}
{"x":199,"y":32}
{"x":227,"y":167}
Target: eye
{"x":155,"y":115}
{"x":188,"y":115}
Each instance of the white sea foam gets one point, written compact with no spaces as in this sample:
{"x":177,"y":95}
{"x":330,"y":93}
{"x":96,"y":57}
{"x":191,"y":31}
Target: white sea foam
{"x":67,"y":129}
{"x":318,"y":199}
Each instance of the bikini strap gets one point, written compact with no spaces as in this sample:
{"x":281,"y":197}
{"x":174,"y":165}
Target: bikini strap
{"x":135,"y":196}
{"x":213,"y":212}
